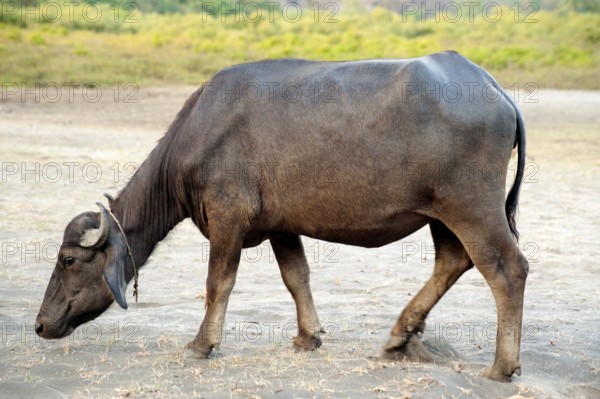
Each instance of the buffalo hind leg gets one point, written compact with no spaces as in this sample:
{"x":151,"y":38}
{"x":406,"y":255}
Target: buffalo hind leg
{"x":295,"y":272}
{"x":489,"y":243}
{"x":223,"y":262}
{"x":451,"y":261}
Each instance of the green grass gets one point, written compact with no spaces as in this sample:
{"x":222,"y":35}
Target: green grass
{"x":561,"y":50}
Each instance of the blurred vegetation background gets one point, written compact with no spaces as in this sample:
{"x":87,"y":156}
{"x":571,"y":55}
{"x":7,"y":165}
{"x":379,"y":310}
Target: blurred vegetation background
{"x":553,"y":43}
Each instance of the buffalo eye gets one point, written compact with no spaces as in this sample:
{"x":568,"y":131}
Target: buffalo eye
{"x":68,"y":261}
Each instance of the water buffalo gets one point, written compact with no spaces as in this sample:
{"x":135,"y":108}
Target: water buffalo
{"x":361,"y":153}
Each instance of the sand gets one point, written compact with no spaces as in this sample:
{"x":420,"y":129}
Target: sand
{"x":57,"y":160}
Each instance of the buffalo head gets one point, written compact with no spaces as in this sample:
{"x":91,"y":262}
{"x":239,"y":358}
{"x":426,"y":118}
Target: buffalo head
{"x":88,"y":276}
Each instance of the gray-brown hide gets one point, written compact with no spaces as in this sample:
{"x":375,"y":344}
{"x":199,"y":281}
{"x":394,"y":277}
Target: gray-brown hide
{"x":361,"y":153}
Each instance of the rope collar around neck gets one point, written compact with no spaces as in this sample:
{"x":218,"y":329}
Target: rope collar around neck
{"x":135,"y":272}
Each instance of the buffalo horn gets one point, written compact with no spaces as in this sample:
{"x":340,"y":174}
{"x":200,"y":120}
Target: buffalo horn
{"x":94,"y":238}
{"x":109,"y":198}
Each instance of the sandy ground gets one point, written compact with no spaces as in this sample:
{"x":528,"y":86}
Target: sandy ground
{"x":58,"y":159}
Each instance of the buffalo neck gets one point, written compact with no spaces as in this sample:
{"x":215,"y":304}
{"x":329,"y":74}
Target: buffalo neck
{"x":147,"y":208}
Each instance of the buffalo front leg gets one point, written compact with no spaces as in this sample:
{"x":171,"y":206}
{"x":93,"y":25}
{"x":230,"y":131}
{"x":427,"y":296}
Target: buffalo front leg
{"x":290,"y":256}
{"x":451,"y":261}
{"x":223,"y":263}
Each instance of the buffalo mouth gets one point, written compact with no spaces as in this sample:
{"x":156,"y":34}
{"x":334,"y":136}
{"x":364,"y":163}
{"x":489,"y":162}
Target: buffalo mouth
{"x":63,"y":329}
{"x":49,"y":331}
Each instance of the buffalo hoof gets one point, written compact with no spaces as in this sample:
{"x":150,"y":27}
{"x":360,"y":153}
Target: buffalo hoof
{"x":407,"y":348}
{"x":200,"y":350}
{"x":307,"y":342}
{"x":395,"y":343}
{"x":413,"y":328}
{"x":499,"y":374}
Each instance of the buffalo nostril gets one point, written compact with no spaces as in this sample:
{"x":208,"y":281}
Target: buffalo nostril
{"x":39,"y":328}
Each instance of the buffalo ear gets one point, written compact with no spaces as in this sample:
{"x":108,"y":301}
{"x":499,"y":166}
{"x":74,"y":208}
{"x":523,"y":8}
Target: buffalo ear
{"x":114,"y":274}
